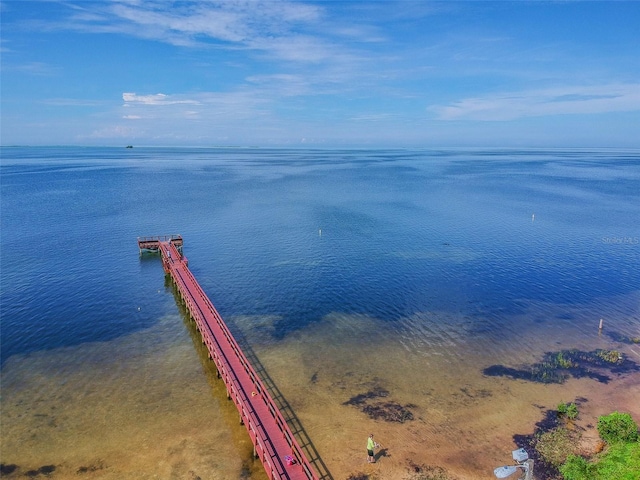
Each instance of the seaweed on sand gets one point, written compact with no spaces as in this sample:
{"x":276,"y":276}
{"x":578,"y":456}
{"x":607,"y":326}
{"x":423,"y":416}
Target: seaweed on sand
{"x":358,"y":476}
{"x":389,"y":411}
{"x":363,"y":397}
{"x":6,"y":469}
{"x":427,"y":472}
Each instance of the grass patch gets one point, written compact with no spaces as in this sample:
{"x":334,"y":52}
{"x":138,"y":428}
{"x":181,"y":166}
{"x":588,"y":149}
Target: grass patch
{"x":555,"y":446}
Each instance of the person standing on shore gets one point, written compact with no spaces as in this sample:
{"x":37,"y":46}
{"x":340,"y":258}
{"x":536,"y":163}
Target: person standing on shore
{"x":371,"y":445}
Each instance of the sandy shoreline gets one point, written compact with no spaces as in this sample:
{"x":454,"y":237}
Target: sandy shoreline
{"x":464,"y":422}
{"x":146,"y":406}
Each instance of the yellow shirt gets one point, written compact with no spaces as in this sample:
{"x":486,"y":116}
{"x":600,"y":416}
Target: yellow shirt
{"x":370,"y":444}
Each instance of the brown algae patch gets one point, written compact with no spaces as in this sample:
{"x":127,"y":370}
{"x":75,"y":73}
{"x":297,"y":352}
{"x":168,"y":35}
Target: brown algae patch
{"x":388,"y":411}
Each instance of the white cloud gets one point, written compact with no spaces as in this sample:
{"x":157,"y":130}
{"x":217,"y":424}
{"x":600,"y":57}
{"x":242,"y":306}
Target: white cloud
{"x":210,"y":106}
{"x":269,"y":26}
{"x":374,"y":117}
{"x":277,"y":30}
{"x":551,"y":101}
{"x":297,"y":48}
{"x":157,"y":99}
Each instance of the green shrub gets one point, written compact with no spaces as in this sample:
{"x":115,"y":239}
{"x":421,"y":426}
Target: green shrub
{"x":617,"y":427}
{"x":576,"y":468}
{"x":620,"y":462}
{"x":570,"y":410}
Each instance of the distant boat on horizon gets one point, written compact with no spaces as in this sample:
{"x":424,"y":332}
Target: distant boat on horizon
{"x":129,"y":146}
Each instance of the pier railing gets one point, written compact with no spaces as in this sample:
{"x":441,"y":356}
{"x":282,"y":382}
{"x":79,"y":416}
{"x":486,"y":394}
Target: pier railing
{"x":153,"y":243}
{"x":281,"y":460}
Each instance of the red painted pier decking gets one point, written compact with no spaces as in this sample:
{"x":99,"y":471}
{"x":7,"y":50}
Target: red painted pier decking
{"x":274,"y":443}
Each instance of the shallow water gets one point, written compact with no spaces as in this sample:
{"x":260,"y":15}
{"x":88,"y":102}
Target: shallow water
{"x":345,"y":272}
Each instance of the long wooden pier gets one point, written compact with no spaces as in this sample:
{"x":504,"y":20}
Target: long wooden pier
{"x":274,"y":443}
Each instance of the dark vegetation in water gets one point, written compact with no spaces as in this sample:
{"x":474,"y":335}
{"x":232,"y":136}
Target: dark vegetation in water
{"x":245,"y":474}
{"x":426,"y":472}
{"x":358,"y":476}
{"x":44,"y":470}
{"x":414,"y":472}
{"x":556,"y":367}
{"x":7,"y":469}
{"x":94,"y":467}
{"x":618,"y":337}
{"x":14,"y":471}
{"x":542,"y":468}
{"x":555,"y":437}
{"x":361,"y":398}
{"x":389,"y":411}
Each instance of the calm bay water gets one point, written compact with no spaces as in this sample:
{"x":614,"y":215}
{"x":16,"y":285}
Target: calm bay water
{"x":459,"y":259}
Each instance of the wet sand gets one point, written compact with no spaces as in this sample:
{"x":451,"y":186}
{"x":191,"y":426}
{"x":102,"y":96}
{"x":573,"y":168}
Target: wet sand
{"x":148,"y":406}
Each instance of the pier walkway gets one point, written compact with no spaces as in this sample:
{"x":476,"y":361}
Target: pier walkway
{"x":274,"y":443}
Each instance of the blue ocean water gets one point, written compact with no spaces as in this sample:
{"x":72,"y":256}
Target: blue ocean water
{"x":298,"y":234}
{"x":346,"y":271}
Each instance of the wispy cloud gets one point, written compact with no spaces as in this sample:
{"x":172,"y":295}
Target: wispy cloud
{"x":281,"y":85}
{"x":3,"y":42}
{"x":269,"y":26}
{"x":374,"y":117}
{"x":289,"y":68}
{"x":307,"y":40}
{"x":551,"y":101}
{"x":39,"y":69}
{"x":217,"y":107}
{"x":157,"y":99}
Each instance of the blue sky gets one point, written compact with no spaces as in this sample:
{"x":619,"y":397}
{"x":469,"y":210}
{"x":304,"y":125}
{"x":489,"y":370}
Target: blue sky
{"x":321,"y":74}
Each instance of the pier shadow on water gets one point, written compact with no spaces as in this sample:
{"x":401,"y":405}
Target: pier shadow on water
{"x":285,"y":409}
